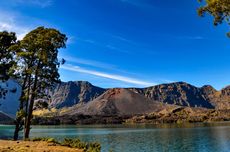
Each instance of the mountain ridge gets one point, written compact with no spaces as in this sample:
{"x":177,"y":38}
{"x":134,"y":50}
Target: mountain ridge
{"x":177,"y":93}
{"x":82,"y":93}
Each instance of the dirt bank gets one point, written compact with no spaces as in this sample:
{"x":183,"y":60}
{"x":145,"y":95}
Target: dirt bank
{"x":33,"y":146}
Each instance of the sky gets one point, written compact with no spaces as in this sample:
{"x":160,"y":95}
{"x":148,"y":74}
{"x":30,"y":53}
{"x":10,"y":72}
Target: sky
{"x":129,"y":43}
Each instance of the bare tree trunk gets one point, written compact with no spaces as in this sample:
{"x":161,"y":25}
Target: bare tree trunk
{"x":27,"y":103}
{"x":18,"y":120}
{"x":31,"y":105}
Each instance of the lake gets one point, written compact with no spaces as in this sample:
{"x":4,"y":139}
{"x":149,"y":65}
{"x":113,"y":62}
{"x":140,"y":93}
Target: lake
{"x":201,"y":137}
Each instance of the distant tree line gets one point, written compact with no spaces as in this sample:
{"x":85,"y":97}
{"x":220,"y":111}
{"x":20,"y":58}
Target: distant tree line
{"x":33,"y":61}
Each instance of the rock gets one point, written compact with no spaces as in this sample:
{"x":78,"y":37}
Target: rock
{"x":118,"y":102}
{"x":179,"y":93}
{"x":71,"y":93}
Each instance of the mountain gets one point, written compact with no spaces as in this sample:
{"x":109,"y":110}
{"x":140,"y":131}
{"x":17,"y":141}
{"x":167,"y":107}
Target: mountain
{"x":178,"y":93}
{"x":6,"y":119}
{"x":9,"y":104}
{"x":118,"y":101}
{"x":219,"y":99}
{"x":83,"y":97}
{"x":67,"y":94}
{"x":71,"y":93}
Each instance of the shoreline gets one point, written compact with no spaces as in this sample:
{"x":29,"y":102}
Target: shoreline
{"x":33,"y":146}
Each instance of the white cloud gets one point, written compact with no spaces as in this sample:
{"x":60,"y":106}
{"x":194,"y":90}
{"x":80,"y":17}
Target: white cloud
{"x":107,"y":75}
{"x":88,"y":62}
{"x":71,"y":40}
{"x":8,"y":22}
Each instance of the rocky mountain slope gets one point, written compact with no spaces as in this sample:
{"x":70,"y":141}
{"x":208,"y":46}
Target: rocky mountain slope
{"x":6,"y":119}
{"x":67,"y":94}
{"x":9,"y":104}
{"x":82,"y":103}
{"x":219,"y":99}
{"x":118,"y":102}
{"x":179,"y":93}
{"x":83,"y":97}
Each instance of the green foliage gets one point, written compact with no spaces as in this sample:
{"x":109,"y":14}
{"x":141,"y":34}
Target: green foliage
{"x":6,"y":59}
{"x":37,"y":58}
{"x":73,"y":143}
{"x":47,"y":139}
{"x":21,"y":113}
{"x":6,"y":55}
{"x":219,"y":9}
{"x":41,"y":104}
{"x":87,"y":147}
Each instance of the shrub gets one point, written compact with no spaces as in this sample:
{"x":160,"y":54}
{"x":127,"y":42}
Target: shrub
{"x":87,"y":147}
{"x":73,"y":143}
{"x":47,"y":139}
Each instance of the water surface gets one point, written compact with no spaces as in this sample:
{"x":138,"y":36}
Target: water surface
{"x":141,"y":138}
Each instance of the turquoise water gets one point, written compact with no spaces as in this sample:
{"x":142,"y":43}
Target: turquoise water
{"x":213,"y":137}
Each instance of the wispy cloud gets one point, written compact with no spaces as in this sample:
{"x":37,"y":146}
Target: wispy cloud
{"x":111,"y":47}
{"x":21,"y":24}
{"x":40,"y":3}
{"x":88,"y":62}
{"x":108,"y":75}
{"x":103,"y":45}
{"x":190,"y":37}
{"x":8,"y":22}
{"x":121,"y":38}
{"x":139,"y":3}
{"x":71,"y":40}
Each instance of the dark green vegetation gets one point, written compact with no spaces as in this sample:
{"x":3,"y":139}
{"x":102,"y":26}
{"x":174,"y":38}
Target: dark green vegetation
{"x":6,"y":58}
{"x":34,"y":62}
{"x":6,"y":55}
{"x":219,"y":9}
{"x":73,"y":143}
{"x":38,"y":52}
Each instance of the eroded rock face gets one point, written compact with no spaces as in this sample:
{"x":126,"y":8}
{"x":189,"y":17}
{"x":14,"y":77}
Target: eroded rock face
{"x":225,"y":92}
{"x":179,"y":93}
{"x":208,"y":92}
{"x":70,"y":93}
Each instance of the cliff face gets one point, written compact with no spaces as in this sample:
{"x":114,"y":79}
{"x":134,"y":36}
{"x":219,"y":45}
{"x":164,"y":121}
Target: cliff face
{"x":179,"y":93}
{"x":70,"y":93}
{"x":219,"y":99}
{"x":95,"y":100}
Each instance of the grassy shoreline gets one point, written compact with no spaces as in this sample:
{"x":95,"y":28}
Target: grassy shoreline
{"x":35,"y":146}
{"x":48,"y":145}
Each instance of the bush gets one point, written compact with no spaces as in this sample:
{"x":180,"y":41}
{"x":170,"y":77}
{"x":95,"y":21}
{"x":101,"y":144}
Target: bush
{"x":73,"y":143}
{"x":87,"y":147}
{"x":47,"y":139}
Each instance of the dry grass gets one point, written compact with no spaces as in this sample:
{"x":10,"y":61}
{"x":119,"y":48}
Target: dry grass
{"x":33,"y":146}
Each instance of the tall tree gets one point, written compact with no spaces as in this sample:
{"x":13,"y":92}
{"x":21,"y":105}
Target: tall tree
{"x":219,"y":9}
{"x":7,"y":39}
{"x":38,"y":54}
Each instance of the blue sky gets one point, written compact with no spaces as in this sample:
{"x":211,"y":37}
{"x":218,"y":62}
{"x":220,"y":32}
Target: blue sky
{"x":129,"y":43}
